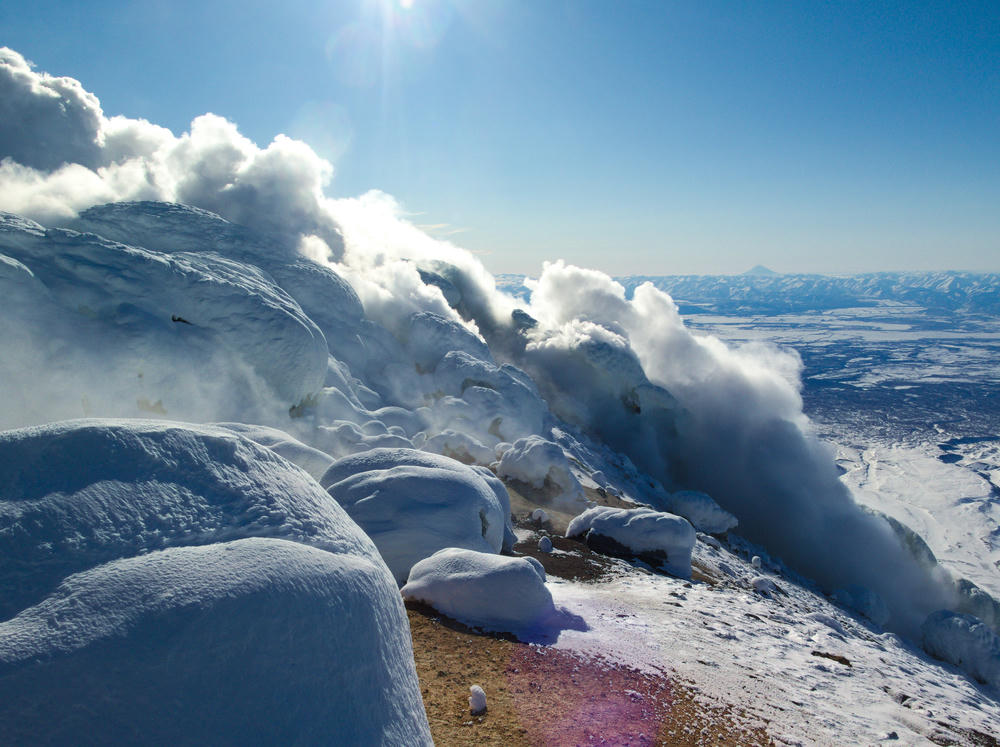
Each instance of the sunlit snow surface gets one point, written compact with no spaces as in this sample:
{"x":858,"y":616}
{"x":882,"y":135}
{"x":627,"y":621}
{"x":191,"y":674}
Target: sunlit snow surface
{"x":741,"y":647}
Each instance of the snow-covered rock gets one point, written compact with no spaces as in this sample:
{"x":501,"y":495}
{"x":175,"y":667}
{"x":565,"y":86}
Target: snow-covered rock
{"x":185,"y":582}
{"x":541,"y":464}
{"x":414,"y":503}
{"x":640,"y":530}
{"x":459,"y":446}
{"x":702,"y":511}
{"x":965,"y":641}
{"x":430,"y":337}
{"x":493,"y":592}
{"x":79,"y":493}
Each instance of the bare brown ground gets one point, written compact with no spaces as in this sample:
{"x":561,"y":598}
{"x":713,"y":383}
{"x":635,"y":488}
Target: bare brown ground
{"x":537,"y":695}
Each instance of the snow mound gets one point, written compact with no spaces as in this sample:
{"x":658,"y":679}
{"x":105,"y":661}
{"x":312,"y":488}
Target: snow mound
{"x":80,"y":493}
{"x":702,"y":511}
{"x":493,"y":592}
{"x":184,"y":581}
{"x":414,"y":503}
{"x":964,"y":641}
{"x":313,"y":461}
{"x":541,"y":464}
{"x":640,"y":530}
{"x":257,"y":641}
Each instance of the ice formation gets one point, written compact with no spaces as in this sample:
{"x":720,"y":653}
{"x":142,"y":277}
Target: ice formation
{"x":412,"y":504}
{"x":183,"y":581}
{"x":640,"y":530}
{"x":493,"y":592}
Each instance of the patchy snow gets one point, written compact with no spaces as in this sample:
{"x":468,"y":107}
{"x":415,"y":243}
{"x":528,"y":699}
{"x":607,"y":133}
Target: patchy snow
{"x":757,"y":652}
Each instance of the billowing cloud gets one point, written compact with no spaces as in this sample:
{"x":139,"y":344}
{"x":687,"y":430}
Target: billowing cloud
{"x":46,"y":121}
{"x":61,"y":154}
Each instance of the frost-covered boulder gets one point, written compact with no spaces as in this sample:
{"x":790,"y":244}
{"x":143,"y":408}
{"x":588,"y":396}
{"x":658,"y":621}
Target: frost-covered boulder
{"x":430,"y":337}
{"x":639,"y":531}
{"x":493,"y":592}
{"x":541,"y":464}
{"x":501,"y":401}
{"x":702,"y":511}
{"x":865,"y":601}
{"x":414,"y":503}
{"x":965,"y":641}
{"x":459,"y":446}
{"x":125,"y":329}
{"x":257,"y":641}
{"x":79,"y":493}
{"x":974,"y":601}
{"x":185,"y":582}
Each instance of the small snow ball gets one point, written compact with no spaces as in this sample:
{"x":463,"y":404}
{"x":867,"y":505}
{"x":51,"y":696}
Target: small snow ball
{"x":755,"y":561}
{"x":545,"y":544}
{"x":966,"y":642}
{"x":477,"y":700}
{"x":640,"y":531}
{"x":493,"y":592}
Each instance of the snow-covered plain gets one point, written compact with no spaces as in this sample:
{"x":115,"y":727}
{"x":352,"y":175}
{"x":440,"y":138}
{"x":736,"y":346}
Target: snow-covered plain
{"x":355,"y":395}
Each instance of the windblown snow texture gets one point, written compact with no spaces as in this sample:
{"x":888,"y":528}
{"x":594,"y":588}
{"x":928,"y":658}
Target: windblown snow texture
{"x":184,"y":582}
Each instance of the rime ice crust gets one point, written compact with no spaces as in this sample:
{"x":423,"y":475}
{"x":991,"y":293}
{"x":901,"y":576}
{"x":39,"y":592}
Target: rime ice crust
{"x":640,"y":530}
{"x":179,"y":331}
{"x":184,"y":581}
{"x":413,"y":503}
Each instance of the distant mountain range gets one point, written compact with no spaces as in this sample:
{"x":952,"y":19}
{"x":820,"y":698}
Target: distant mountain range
{"x":762,"y":291}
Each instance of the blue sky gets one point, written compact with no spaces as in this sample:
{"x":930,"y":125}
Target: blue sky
{"x":635,"y":137}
